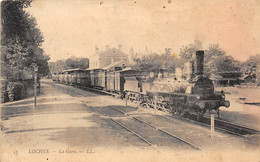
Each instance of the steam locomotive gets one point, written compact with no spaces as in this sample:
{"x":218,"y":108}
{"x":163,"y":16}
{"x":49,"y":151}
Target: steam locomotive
{"x":177,"y":93}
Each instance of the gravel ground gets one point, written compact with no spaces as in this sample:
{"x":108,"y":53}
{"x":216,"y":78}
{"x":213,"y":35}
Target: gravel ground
{"x":243,"y":109}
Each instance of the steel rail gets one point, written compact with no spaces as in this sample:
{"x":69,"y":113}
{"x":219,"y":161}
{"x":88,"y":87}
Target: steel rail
{"x":169,"y":134}
{"x":208,"y":126}
{"x":159,"y":129}
{"x":223,"y":126}
{"x":125,"y":127}
{"x":246,"y":129}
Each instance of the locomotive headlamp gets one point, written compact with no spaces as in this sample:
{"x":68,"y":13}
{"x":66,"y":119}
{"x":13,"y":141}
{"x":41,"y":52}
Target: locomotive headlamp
{"x":226,"y":104}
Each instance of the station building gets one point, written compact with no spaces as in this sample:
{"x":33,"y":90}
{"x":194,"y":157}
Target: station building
{"x":110,"y":56}
{"x":103,"y":62}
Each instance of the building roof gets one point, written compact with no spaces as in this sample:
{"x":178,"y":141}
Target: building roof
{"x":126,"y":69}
{"x":93,"y":69}
{"x":115,"y":64}
{"x":130,"y":78}
{"x":77,"y":69}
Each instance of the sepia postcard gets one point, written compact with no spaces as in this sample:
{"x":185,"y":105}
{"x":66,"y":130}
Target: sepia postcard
{"x":130,"y":80}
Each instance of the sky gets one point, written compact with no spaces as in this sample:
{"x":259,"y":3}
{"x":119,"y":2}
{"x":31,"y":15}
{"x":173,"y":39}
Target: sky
{"x":75,"y":27}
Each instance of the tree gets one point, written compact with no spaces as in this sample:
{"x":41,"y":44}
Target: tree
{"x":147,"y":63}
{"x":156,"y":62}
{"x":252,"y":63}
{"x":74,"y":62}
{"x":213,"y":52}
{"x":186,"y":53}
{"x":58,"y":66}
{"x":21,"y":41}
{"x":216,"y":61}
{"x":70,"y":63}
{"x":226,"y":64}
{"x":251,"y":67}
{"x":255,"y":59}
{"x":168,"y":51}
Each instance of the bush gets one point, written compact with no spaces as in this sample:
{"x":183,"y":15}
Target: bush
{"x":15,"y":91}
{"x":4,"y":94}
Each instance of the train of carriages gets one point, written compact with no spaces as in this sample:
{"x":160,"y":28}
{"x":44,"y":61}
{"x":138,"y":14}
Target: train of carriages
{"x":189,"y":93}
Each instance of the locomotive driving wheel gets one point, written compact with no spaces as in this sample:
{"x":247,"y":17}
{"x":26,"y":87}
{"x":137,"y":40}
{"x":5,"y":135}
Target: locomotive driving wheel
{"x":181,"y":110}
{"x":172,"y":109}
{"x":199,"y":114}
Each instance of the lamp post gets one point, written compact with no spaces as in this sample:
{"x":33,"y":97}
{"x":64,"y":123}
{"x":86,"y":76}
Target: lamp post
{"x":35,"y":68}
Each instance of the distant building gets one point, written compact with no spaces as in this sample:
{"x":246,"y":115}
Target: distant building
{"x":109,"y":56}
{"x":227,"y":78}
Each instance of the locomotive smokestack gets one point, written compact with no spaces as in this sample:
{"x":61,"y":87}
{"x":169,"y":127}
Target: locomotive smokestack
{"x":199,"y":63}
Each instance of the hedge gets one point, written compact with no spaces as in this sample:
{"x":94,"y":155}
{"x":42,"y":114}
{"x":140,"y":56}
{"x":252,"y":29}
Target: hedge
{"x":15,"y":91}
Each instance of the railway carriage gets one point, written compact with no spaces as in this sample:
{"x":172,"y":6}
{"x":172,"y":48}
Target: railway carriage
{"x":66,"y":77}
{"x":61,"y":78}
{"x":110,"y":86}
{"x":92,"y":78}
{"x":55,"y":78}
{"x":101,"y":82}
{"x":84,"y":79}
{"x":69,"y":77}
{"x":116,"y":79}
{"x":95,"y":78}
{"x":58,"y":77}
{"x":103,"y":75}
{"x":73,"y":78}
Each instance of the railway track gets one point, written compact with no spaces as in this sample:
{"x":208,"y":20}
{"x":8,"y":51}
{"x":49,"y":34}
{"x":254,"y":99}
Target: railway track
{"x":142,"y":137}
{"x":158,"y":129}
{"x":220,"y":125}
{"x":125,"y":127}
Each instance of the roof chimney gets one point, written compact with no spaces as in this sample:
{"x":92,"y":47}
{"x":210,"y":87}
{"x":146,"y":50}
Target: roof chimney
{"x":96,"y":49}
{"x":120,"y":47}
{"x":107,"y":47}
